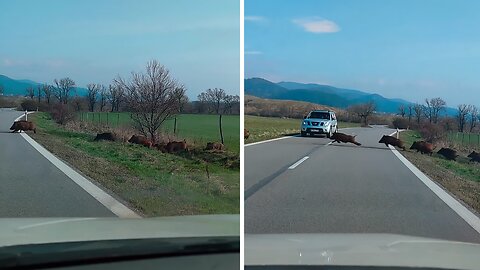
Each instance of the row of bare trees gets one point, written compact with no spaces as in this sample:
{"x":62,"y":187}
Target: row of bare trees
{"x":467,"y":115}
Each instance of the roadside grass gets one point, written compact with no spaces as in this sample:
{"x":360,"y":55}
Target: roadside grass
{"x":152,"y":182}
{"x":199,"y":128}
{"x":461,"y":177}
{"x":265,"y":128}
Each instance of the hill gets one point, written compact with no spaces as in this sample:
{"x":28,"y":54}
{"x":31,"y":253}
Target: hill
{"x":282,"y":108}
{"x":324,"y":94}
{"x":13,"y":87}
{"x":319,"y":94}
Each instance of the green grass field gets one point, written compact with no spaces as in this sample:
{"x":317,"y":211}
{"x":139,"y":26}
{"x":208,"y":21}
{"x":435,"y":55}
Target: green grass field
{"x":264,"y":128}
{"x":200,"y":128}
{"x":465,"y":139}
{"x":154,"y":183}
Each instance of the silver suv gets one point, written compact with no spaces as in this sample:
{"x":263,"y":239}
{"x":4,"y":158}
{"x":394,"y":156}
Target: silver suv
{"x":319,"y":122}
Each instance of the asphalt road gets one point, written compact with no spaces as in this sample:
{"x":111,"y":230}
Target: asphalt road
{"x":31,"y":186}
{"x":342,"y":188}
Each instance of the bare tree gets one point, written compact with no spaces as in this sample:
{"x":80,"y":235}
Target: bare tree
{"x":229,"y":102}
{"x":180,"y":97}
{"x":115,"y":96}
{"x":418,"y":110}
{"x":463,"y":111}
{"x":473,"y":117}
{"x":30,"y":92}
{"x":63,"y":88}
{"x":363,"y":110}
{"x":92,"y":95}
{"x":215,"y":97}
{"x":433,"y":108}
{"x":402,"y":110}
{"x":150,"y":97}
{"x":39,"y":93}
{"x":47,"y":92}
{"x":103,"y":97}
{"x":180,"y":100}
{"x":410,"y":112}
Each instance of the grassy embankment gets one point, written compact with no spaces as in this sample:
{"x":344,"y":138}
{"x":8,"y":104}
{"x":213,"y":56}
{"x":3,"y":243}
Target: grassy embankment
{"x":153,"y":183}
{"x":198,"y":128}
{"x":461,"y":177}
{"x":264,"y":128}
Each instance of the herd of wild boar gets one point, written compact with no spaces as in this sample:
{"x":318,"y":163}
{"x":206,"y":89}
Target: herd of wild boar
{"x":421,"y":146}
{"x":170,"y":147}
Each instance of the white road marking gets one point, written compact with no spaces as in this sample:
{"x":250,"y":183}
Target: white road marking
{"x":469,"y":217}
{"x":104,"y":198}
{"x":266,"y":141}
{"x":294,"y":165}
{"x":281,"y":138}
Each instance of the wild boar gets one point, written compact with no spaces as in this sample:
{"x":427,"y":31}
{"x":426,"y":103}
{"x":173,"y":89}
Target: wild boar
{"x":344,"y":138}
{"x":390,"y":140}
{"x":246,"y":133}
{"x":215,"y":146}
{"x":23,"y":125}
{"x":474,"y":156}
{"x":173,"y":147}
{"x":423,"y":147}
{"x":106,"y":136}
{"x":448,"y":153}
{"x":160,"y":147}
{"x":139,"y":139}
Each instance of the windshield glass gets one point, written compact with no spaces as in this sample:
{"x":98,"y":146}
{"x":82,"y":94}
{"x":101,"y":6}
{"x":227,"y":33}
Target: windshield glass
{"x":320,"y":115}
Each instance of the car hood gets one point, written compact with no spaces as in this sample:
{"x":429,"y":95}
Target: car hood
{"x":21,"y":231}
{"x":359,"y":250}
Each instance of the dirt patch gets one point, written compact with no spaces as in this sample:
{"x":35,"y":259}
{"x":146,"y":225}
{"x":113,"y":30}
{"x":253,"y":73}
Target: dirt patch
{"x":465,"y":190}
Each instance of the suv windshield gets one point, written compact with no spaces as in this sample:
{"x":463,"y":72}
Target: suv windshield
{"x":320,"y":115}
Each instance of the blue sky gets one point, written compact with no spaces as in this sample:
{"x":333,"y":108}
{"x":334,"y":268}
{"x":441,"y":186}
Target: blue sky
{"x":94,"y":40}
{"x":408,"y":49}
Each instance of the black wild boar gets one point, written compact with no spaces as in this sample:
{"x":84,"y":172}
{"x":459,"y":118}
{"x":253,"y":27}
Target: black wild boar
{"x":423,"y":147}
{"x":474,"y":156}
{"x":107,"y":136}
{"x":448,"y":153}
{"x":23,"y":125}
{"x":173,"y":147}
{"x":390,"y":140}
{"x":344,"y":138}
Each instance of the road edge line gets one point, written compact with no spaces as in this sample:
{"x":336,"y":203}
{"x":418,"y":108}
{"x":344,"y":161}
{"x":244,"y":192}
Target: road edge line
{"x":469,"y":217}
{"x":281,"y":138}
{"x":266,"y":141}
{"x":101,"y":196}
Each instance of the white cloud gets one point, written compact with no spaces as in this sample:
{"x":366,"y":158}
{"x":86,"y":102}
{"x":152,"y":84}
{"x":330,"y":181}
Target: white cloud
{"x":317,"y":25}
{"x":254,"y":18}
{"x":252,"y":52}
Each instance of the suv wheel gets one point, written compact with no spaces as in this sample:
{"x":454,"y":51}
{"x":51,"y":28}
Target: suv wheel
{"x":303,"y":134}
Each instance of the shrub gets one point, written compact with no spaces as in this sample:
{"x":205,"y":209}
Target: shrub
{"x":62,"y":113}
{"x":29,"y":105}
{"x":401,"y":123}
{"x":432,"y":132}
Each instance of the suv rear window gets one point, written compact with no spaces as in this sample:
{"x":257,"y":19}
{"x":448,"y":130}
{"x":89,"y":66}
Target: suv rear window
{"x":320,"y":115}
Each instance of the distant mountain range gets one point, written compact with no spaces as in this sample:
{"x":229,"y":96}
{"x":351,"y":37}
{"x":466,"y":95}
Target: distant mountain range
{"x":322,"y":94}
{"x":13,"y":87}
